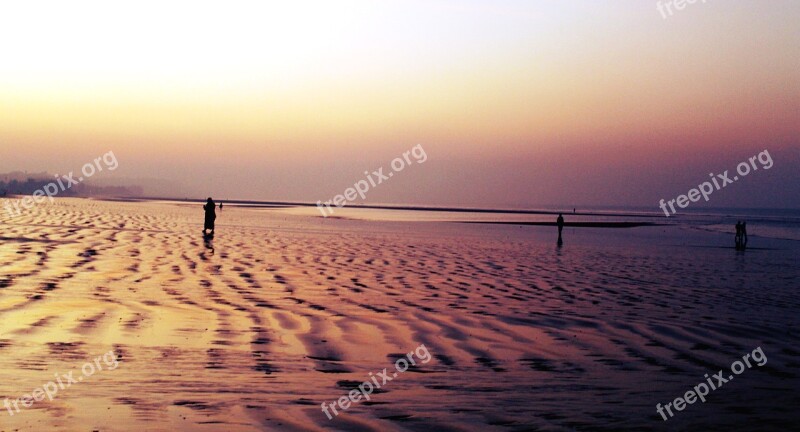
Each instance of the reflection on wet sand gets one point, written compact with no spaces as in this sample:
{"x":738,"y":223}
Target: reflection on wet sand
{"x":255,"y":329}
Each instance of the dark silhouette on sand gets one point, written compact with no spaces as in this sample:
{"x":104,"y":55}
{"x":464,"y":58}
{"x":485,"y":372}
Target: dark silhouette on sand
{"x":741,"y":235}
{"x":560,"y":223}
{"x":211,"y":216}
{"x":220,"y":206}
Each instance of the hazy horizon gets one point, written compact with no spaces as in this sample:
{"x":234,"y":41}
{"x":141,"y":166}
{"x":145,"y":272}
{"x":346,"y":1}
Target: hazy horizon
{"x":518,"y":104}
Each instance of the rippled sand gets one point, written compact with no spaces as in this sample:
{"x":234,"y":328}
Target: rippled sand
{"x":279,"y":313}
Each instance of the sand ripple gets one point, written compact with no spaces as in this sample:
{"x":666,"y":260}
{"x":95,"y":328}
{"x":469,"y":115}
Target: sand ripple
{"x":255,"y":329}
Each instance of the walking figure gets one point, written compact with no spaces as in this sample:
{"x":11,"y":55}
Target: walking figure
{"x":560,"y":223}
{"x":211,"y":216}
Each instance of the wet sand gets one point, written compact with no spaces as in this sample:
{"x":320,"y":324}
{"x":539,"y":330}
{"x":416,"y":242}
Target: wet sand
{"x":279,"y":313}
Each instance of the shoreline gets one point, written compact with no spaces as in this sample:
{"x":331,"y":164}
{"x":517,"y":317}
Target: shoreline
{"x":285,"y":204}
{"x":576,"y":224}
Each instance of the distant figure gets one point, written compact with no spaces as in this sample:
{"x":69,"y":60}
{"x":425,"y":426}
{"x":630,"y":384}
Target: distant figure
{"x":211,"y":216}
{"x":560,"y":223}
{"x":573,"y":210}
{"x":741,"y":235}
{"x":220,"y":206}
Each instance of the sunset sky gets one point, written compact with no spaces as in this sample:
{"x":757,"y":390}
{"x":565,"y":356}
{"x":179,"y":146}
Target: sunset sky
{"x":516,"y":103}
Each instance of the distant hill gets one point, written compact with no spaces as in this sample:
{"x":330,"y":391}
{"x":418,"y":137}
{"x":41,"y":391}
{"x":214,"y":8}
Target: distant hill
{"x":22,"y":183}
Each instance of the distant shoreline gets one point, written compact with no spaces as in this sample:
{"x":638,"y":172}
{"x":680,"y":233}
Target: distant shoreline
{"x":575,"y":224}
{"x":283,"y":204}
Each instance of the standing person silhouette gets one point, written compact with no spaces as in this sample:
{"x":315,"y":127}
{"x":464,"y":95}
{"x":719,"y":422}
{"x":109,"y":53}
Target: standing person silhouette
{"x":211,"y":216}
{"x":220,"y":206}
{"x":560,"y":223}
{"x":738,"y":237}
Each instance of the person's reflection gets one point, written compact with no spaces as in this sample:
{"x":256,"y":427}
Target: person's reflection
{"x":208,"y":242}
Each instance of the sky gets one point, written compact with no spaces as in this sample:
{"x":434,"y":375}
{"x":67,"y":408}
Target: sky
{"x":517,"y":103}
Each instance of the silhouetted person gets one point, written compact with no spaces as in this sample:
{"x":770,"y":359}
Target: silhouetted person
{"x":220,"y":206}
{"x":211,"y":216}
{"x":560,"y":223}
{"x":739,"y":235}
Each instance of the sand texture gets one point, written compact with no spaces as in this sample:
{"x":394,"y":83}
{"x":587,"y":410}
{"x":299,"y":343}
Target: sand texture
{"x":279,"y":313}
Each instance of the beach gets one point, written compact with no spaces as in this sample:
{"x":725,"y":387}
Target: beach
{"x":280,"y":313}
